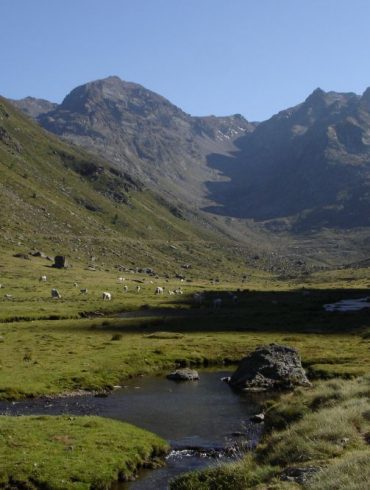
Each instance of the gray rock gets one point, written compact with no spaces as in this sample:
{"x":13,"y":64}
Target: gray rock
{"x":185,"y":374}
{"x":38,"y":253}
{"x":22,"y":256}
{"x":299,"y":475}
{"x":270,"y":367}
{"x":258,"y":418}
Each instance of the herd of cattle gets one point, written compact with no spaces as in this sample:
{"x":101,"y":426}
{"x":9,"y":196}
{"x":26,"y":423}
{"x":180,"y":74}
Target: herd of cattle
{"x":198,"y":297}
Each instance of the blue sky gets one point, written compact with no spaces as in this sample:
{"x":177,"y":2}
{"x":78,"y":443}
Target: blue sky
{"x":253,"y":57}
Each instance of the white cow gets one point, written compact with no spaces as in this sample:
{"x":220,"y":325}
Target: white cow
{"x":121,"y":279}
{"x":159,"y":290}
{"x":138,"y":288}
{"x":171,"y":293}
{"x":55,"y":294}
{"x":43,"y":278}
{"x":217,"y":302}
{"x":178,"y":291}
{"x":106,"y":296}
{"x":198,"y":298}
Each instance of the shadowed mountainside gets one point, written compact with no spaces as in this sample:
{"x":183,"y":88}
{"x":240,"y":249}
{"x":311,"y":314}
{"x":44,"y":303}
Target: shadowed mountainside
{"x":308,"y":166}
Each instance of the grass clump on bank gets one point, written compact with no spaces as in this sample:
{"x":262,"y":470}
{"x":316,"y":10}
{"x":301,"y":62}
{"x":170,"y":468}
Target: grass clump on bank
{"x":65,"y":453}
{"x":326,"y":429}
{"x":237,"y":476}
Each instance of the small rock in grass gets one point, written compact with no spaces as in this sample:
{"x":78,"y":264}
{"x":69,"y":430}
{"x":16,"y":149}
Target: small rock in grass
{"x":258,"y":418}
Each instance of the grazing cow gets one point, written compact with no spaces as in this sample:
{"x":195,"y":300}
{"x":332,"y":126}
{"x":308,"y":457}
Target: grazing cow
{"x":84,"y":291}
{"x":159,"y":290}
{"x":55,"y":294}
{"x":125,"y":288}
{"x":138,"y":288}
{"x":178,"y":291}
{"x":43,"y":278}
{"x":106,"y":296}
{"x":171,"y":293}
{"x":121,"y":279}
{"x":217,"y":302}
{"x":75,"y":284}
{"x":8,"y":296}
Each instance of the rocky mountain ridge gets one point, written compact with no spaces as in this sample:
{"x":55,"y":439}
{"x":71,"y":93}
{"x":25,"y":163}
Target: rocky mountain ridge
{"x":306,"y":168}
{"x":141,"y":132}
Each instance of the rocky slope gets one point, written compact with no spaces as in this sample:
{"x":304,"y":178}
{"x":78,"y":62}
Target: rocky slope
{"x":34,"y":107}
{"x":306,"y":168}
{"x":144,"y":134}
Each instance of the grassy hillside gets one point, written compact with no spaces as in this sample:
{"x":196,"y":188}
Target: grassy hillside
{"x":61,"y":200}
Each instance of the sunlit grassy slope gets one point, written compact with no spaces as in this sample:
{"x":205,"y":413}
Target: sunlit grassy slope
{"x":59,"y":199}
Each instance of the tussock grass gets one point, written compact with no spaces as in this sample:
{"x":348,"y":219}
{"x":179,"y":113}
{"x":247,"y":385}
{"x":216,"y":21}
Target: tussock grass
{"x":350,"y":473}
{"x":318,"y":435}
{"x":326,"y":427}
{"x":237,"y":476}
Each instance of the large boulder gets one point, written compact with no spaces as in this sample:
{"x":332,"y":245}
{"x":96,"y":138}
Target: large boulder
{"x":270,"y":367}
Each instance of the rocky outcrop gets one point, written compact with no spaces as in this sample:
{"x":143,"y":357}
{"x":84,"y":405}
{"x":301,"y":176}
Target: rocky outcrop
{"x":185,"y":374}
{"x":270,"y":367}
{"x":34,"y":107}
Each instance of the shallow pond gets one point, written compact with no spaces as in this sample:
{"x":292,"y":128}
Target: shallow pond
{"x":200,"y":419}
{"x":348,"y":305}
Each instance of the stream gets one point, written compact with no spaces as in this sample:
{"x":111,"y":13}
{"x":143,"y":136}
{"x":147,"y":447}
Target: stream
{"x":204,"y":421}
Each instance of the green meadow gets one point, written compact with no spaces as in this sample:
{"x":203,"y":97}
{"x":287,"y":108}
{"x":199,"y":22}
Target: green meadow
{"x":80,"y":342}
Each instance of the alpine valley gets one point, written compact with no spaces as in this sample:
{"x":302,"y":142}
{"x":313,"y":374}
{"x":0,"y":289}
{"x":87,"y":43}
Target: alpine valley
{"x":295,"y":186}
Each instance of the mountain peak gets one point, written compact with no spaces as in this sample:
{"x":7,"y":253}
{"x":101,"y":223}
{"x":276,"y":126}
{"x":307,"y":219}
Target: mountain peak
{"x":318,"y":96}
